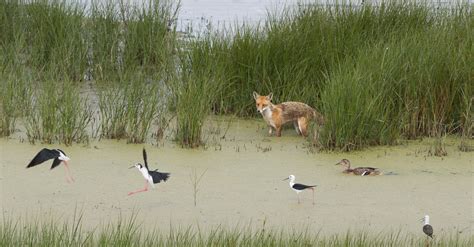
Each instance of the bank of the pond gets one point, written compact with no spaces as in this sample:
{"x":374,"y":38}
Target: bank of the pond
{"x":243,"y":183}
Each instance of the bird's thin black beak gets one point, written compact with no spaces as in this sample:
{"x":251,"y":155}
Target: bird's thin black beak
{"x":285,"y":179}
{"x":131,"y":167}
{"x":337,"y":163}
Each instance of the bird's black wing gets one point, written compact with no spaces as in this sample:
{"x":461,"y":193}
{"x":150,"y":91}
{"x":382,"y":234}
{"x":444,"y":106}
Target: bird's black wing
{"x":428,"y":230}
{"x":144,"y":159}
{"x":159,"y":176}
{"x":302,"y":186}
{"x":43,"y":155}
{"x":56,"y":162}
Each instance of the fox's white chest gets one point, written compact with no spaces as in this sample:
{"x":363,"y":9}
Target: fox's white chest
{"x":267,"y":116}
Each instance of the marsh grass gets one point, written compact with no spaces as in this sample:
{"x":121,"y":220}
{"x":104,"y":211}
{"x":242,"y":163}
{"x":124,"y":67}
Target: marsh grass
{"x":193,"y":90}
{"x":467,"y":122}
{"x":377,"y":74}
{"x":62,"y":44}
{"x":59,"y":114}
{"x":109,"y":39}
{"x":15,"y":95}
{"x":128,"y":111}
{"x":53,"y":32}
{"x":129,"y":232}
{"x":126,"y":37}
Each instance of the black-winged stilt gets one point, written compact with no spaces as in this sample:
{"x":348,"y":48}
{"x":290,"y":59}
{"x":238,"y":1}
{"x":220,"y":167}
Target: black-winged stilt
{"x":151,"y":177}
{"x":57,"y":154}
{"x":299,"y":187}
{"x":427,"y":228}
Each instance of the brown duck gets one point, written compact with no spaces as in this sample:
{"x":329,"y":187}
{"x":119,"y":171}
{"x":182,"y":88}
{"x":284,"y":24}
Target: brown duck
{"x":360,"y":171}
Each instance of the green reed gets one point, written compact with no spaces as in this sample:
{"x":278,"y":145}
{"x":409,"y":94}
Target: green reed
{"x":54,"y":34}
{"x":63,"y":38}
{"x":59,"y":114}
{"x":125,"y":37}
{"x":129,"y":232}
{"x":376,"y":73}
{"x":193,"y":89}
{"x":127,"y":110}
{"x":15,"y":96}
{"x":467,"y":119}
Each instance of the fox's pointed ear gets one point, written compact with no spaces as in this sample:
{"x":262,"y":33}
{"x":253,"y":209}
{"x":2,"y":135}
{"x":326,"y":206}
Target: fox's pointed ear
{"x":255,"y":95}
{"x":270,"y":96}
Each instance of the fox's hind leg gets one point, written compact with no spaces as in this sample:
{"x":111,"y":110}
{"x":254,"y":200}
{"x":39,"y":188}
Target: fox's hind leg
{"x":303,"y":126}
{"x":297,"y":127}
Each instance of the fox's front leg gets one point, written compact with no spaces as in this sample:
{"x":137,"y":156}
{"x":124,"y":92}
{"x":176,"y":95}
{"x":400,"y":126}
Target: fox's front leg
{"x":278,"y":130}
{"x":270,"y":130}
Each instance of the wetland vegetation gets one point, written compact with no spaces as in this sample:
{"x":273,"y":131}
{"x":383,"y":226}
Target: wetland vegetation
{"x":377,"y":73}
{"x":129,"y":232}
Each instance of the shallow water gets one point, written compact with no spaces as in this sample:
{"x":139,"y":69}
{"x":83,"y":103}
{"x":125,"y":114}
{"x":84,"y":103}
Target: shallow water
{"x":243,"y":184}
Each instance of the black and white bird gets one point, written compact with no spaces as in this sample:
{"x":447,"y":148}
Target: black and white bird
{"x":427,"y":228}
{"x":59,"y":157}
{"x":298,"y":188}
{"x":151,"y":177}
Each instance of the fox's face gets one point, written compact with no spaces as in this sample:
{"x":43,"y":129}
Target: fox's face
{"x":262,"y":102}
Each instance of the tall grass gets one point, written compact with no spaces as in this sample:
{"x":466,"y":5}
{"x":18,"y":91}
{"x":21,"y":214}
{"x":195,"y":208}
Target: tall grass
{"x":63,"y":38}
{"x":127,"y":110}
{"x":126,"y":37}
{"x":376,"y":73}
{"x":63,"y":44}
{"x":59,"y":114}
{"x":131,"y":233}
{"x":193,"y":89}
{"x":15,"y":95}
{"x":467,"y":118}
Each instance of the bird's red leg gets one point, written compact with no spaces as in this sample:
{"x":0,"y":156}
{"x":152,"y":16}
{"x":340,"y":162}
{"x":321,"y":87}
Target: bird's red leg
{"x":69,"y":178}
{"x":138,"y":191}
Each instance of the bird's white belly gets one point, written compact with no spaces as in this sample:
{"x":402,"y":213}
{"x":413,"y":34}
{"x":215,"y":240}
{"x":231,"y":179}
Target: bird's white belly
{"x":297,"y":191}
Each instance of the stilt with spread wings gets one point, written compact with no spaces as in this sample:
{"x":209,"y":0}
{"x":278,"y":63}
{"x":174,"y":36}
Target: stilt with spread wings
{"x":151,"y":177}
{"x":58,"y":157}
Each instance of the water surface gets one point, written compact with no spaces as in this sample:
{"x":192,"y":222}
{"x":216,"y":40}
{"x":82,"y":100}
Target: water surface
{"x":243,"y":184}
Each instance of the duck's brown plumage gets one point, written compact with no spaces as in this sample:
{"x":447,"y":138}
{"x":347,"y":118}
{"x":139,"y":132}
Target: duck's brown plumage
{"x":360,"y":171}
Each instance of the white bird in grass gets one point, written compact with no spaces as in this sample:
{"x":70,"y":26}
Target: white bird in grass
{"x":151,"y":177}
{"x":59,"y":157}
{"x":298,"y":188}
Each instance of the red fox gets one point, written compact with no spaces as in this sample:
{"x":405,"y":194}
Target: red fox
{"x":276,"y":115}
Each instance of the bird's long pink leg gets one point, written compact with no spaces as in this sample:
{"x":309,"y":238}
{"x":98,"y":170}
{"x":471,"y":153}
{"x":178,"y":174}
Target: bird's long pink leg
{"x":138,"y":191}
{"x":68,"y":173}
